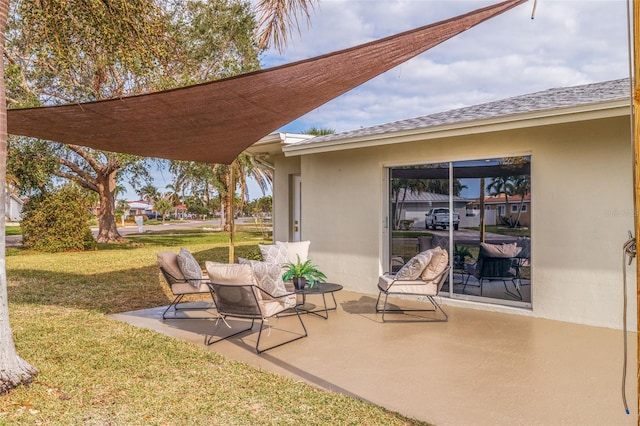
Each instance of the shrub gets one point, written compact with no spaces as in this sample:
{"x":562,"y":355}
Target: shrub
{"x":57,"y":221}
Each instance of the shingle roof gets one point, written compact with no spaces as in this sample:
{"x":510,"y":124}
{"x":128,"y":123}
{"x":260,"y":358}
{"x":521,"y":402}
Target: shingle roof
{"x":428,"y":196}
{"x":545,"y":100}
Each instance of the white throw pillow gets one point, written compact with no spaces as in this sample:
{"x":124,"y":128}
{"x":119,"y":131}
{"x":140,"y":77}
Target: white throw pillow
{"x":414,"y":267}
{"x":296,"y":249}
{"x":267,"y":276}
{"x":439,"y":261}
{"x":189,"y":267}
{"x":274,"y":253}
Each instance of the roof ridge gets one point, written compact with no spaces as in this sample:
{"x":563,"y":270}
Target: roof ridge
{"x":546,"y":99}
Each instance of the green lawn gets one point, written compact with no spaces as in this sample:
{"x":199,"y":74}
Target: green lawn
{"x":97,"y":371}
{"x":13,"y":230}
{"x":502,"y":230}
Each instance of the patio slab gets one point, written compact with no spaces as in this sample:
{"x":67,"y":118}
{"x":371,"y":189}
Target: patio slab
{"x":480,"y":368}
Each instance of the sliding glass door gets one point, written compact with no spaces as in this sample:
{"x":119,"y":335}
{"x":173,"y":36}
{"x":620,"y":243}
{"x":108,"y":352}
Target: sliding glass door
{"x":480,"y":212}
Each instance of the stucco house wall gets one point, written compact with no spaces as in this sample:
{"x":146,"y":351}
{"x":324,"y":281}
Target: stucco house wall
{"x":576,"y":272}
{"x":581,"y":192}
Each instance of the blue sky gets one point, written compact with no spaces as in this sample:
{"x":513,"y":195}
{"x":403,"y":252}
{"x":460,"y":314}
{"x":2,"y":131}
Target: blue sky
{"x":570,"y":42}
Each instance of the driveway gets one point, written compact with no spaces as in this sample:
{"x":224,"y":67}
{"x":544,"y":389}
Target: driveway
{"x":469,"y":236}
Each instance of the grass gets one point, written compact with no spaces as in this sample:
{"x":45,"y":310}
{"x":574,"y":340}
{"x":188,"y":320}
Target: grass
{"x":13,"y":230}
{"x":502,"y":230}
{"x":98,"y":371}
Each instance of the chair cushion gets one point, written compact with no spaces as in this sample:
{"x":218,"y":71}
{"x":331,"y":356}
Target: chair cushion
{"x":414,"y":267}
{"x":269,"y":308}
{"x":273,"y":253}
{"x":229,"y":273}
{"x":267,"y":276}
{"x":186,"y":288}
{"x":499,"y":250}
{"x":189,"y":267}
{"x":439,"y":261}
{"x":168,"y":261}
{"x":389,"y":283}
{"x":296,"y":249}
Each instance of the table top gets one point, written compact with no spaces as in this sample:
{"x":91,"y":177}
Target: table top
{"x":321,"y":288}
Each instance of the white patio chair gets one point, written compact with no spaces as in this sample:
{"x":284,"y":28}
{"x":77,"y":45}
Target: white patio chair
{"x":422,"y":276}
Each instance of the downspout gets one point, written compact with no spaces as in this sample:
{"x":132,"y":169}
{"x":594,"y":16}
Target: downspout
{"x":635,"y":126}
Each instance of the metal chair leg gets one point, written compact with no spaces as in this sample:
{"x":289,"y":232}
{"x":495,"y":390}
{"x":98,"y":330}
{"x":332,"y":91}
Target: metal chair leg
{"x":259,"y":351}
{"x":436,"y":308}
{"x":509,"y":292}
{"x":175,"y":305}
{"x":210,"y":340}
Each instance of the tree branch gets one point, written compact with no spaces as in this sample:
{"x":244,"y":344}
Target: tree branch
{"x":77,"y":179}
{"x":86,"y":155}
{"x":81,"y":174}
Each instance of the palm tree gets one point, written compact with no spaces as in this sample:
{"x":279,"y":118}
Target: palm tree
{"x":399,"y":189}
{"x":276,"y":19}
{"x":521,"y":187}
{"x":174,"y":196}
{"x":319,"y":131}
{"x":502,"y":185}
{"x":148,"y":193}
{"x":249,"y":167}
{"x":163,"y":206}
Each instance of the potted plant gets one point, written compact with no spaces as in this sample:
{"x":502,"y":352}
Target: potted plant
{"x":460,"y":255}
{"x":302,"y":272}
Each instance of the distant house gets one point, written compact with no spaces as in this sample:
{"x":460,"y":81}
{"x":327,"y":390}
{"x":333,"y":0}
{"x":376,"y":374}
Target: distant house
{"x":497,"y":208}
{"x":139,"y":207}
{"x":416,"y":205}
{"x":13,"y":207}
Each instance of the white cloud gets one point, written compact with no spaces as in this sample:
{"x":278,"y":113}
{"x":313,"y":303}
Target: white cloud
{"x":568,"y":43}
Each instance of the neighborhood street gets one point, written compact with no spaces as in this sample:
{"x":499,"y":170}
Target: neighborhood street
{"x":16,"y":240}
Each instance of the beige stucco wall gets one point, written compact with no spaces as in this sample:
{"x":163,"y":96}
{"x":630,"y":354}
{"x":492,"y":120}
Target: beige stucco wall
{"x":582,"y":208}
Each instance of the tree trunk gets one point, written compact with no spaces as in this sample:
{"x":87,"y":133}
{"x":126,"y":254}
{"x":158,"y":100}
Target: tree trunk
{"x":228,"y":203}
{"x":507,"y":213}
{"x":107,"y":229}
{"x":223,"y":212}
{"x":14,"y":371}
{"x":519,"y":211}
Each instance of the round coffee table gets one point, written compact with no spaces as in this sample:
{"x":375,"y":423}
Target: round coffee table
{"x":323,"y":289}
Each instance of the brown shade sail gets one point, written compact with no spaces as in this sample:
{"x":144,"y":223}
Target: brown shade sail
{"x":214,"y":122}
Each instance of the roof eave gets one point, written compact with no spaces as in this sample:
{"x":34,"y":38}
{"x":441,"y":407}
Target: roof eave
{"x":275,"y":143}
{"x":593,"y":111}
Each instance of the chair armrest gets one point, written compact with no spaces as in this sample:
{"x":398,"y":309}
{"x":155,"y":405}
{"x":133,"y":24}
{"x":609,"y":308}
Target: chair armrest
{"x":271,"y":296}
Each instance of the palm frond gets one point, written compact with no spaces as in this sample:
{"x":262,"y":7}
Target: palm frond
{"x":277,"y":19}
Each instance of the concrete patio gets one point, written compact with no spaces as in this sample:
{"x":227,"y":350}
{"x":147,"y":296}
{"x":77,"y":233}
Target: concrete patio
{"x":480,"y":368}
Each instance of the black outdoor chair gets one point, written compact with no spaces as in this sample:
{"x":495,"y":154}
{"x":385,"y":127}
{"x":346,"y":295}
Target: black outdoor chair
{"x":496,"y":263}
